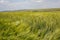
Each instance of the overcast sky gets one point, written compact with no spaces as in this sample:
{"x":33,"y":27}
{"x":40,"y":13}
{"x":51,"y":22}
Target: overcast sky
{"x":28,"y":4}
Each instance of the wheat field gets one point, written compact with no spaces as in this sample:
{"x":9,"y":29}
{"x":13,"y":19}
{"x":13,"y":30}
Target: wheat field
{"x":30,"y":25}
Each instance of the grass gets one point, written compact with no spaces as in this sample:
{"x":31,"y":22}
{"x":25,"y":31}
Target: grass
{"x":30,"y":25}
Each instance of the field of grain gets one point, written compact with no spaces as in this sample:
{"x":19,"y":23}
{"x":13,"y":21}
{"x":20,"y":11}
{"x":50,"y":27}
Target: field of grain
{"x":30,"y":25}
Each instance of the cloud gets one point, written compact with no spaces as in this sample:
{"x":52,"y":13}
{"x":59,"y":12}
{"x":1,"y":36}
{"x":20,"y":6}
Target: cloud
{"x":3,"y":1}
{"x":14,"y":5}
{"x":27,"y":4}
{"x":37,"y":0}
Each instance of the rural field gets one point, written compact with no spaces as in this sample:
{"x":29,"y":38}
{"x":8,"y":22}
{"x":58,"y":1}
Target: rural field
{"x":30,"y":25}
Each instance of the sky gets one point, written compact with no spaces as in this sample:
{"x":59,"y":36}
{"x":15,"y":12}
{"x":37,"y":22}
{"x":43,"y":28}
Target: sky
{"x":28,"y":4}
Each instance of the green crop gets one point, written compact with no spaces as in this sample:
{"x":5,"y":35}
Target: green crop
{"x":30,"y":25}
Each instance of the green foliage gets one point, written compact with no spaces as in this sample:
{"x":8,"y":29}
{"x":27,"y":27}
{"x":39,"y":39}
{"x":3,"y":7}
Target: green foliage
{"x":30,"y":25}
